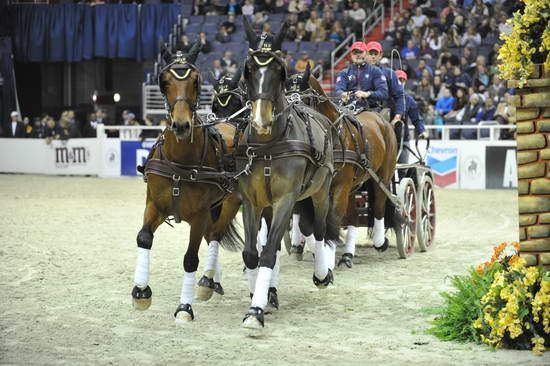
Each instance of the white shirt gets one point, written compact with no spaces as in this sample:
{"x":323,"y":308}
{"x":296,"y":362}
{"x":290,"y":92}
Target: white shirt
{"x":358,"y":14}
{"x":13,"y":127}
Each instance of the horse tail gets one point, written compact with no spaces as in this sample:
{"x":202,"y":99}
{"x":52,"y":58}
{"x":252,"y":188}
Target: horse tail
{"x":231,"y":239}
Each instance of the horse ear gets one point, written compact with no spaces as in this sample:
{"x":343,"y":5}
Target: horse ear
{"x":236,"y":78}
{"x":278,"y":42}
{"x":194,"y":52}
{"x":305,"y":77}
{"x":250,"y":34}
{"x":165,"y":53}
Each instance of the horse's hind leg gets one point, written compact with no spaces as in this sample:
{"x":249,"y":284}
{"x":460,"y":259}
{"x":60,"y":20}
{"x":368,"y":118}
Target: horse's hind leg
{"x":184,"y":312}
{"x":324,"y":251}
{"x":210,"y":281}
{"x":381,"y":243}
{"x":141,"y":293}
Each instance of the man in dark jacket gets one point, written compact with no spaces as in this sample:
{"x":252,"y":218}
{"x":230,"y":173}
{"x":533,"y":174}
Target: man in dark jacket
{"x":396,"y":100}
{"x":15,"y":127}
{"x":361,"y":81}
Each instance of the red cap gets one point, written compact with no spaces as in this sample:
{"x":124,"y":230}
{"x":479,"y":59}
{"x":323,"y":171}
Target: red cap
{"x":401,"y":75}
{"x":374,"y":46}
{"x":359,"y":46}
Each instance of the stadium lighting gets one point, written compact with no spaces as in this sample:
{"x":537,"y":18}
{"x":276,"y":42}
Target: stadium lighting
{"x":116,"y":97}
{"x":94,"y":96}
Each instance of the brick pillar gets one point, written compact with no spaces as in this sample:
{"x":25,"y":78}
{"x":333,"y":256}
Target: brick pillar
{"x":533,"y":137}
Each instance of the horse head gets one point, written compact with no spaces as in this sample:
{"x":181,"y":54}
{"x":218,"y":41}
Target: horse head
{"x":180,"y":83}
{"x":265,"y":75}
{"x":298,"y":83}
{"x":228,"y":96}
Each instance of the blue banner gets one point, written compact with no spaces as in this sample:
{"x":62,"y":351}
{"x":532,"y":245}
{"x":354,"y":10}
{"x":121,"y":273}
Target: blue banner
{"x":132,"y":154}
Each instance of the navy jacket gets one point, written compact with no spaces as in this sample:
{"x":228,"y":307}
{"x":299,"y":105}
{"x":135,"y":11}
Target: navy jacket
{"x":365,"y":78}
{"x":412,"y":115}
{"x":396,"y":93}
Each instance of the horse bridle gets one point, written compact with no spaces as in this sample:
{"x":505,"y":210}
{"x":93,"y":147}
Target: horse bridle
{"x":254,"y":56}
{"x":180,"y":63}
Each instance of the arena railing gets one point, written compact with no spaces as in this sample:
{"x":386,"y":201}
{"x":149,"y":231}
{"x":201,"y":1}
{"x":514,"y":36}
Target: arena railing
{"x":153,"y":101}
{"x":127,"y":132}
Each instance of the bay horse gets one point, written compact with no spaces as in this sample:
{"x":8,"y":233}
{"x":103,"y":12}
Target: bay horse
{"x":366,"y":140}
{"x":285,"y":159}
{"x":186,"y":178}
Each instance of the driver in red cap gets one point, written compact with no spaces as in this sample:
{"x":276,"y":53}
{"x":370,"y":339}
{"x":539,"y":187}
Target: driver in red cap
{"x":361,"y":81}
{"x":396,"y":96}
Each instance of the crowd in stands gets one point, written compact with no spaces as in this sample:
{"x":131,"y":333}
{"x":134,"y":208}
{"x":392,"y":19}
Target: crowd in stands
{"x":449,"y":51}
{"x":69,"y":126}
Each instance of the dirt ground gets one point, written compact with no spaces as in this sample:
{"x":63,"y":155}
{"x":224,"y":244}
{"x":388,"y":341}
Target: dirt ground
{"x":67,"y":262}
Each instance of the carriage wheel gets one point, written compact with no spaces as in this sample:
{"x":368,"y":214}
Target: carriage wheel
{"x":425,"y":208}
{"x":407,"y":235}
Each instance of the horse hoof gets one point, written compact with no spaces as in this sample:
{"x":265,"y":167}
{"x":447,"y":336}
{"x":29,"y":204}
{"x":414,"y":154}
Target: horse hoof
{"x":273,"y":298}
{"x":297,"y":252}
{"x":218,"y":288}
{"x":346,"y":262}
{"x":184,"y":313}
{"x":384,"y":246}
{"x":141,"y":298}
{"x":205,"y":289}
{"x":324,"y":283}
{"x":254,"y":319}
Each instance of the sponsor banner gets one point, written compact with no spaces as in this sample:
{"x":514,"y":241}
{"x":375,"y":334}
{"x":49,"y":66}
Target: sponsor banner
{"x":111,"y":158}
{"x":134,"y":153}
{"x":444,"y":162}
{"x":59,"y":157}
{"x":501,"y":171}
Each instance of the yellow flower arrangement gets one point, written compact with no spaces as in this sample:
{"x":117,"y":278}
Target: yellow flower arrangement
{"x":529,"y":42}
{"x":515,"y":310}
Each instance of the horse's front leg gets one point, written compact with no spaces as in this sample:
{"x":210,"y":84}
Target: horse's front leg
{"x":251,"y":220}
{"x":184,"y":312}
{"x":325,"y":251}
{"x":282,"y":210}
{"x":141,"y":293}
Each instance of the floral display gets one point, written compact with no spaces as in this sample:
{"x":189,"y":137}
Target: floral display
{"x":529,"y":42}
{"x":502,"y":303}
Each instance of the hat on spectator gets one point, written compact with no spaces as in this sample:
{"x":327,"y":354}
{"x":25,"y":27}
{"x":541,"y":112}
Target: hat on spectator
{"x":374,"y":46}
{"x":401,"y":74}
{"x":14,"y":114}
{"x":359,"y":46}
{"x":131,"y":116}
{"x":384,"y":61}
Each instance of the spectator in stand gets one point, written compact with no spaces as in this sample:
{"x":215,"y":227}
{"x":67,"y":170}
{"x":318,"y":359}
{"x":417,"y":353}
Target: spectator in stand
{"x":265,"y":6}
{"x":359,"y":15}
{"x":229,"y":24}
{"x":280,"y":6}
{"x":481,"y":79}
{"x":416,"y":36}
{"x":223,"y":36}
{"x":423,"y":66}
{"x":348,"y":23}
{"x":15,"y":127}
{"x":51,"y":131}
{"x":471,"y":38}
{"x":425,"y":50}
{"x":301,"y":33}
{"x":497,"y":90}
{"x":133,"y":133}
{"x":399,"y":40}
{"x":492,"y":57}
{"x":487,"y":113}
{"x":445,"y":103}
{"x":328,"y":19}
{"x":227,"y":60}
{"x":437,"y":89}
{"x":27,"y":126}
{"x":320,"y":35}
{"x":217,"y":69}
{"x":311,"y":23}
{"x":411,"y":51}
{"x":205,"y":46}
{"x":232,"y":8}
{"x":38,"y":129}
{"x":436,"y":39}
{"x":293,"y":7}
{"x":418,"y":18}
{"x":184,"y":45}
{"x":424,"y":91}
{"x":302,"y":63}
{"x":468,"y":118}
{"x":149,"y":134}
{"x":336,"y":32}
{"x":259,"y":20}
{"x":248,"y":8}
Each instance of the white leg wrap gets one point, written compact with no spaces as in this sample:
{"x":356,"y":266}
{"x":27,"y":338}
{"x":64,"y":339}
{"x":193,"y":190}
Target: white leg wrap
{"x":218,"y":275}
{"x":310,"y":243}
{"x":351,"y":239}
{"x":331,"y":253}
{"x":251,"y":275}
{"x":378,"y":232}
{"x":211,"y":261}
{"x":276,"y":270}
{"x":321,"y":260}
{"x":296,"y":237}
{"x":141,"y":276}
{"x":262,"y":233}
{"x":188,"y":288}
{"x":262,"y":286}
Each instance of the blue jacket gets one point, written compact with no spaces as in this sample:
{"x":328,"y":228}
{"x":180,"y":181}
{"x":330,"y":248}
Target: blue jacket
{"x":365,"y":78}
{"x":395,"y":91}
{"x":412,"y":115}
{"x":445,"y":104}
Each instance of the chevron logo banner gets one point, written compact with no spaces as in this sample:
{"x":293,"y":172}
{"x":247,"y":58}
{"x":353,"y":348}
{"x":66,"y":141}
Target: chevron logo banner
{"x":444,"y":162}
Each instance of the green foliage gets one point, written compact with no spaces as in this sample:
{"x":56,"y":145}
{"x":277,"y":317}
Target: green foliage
{"x":454,"y":319}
